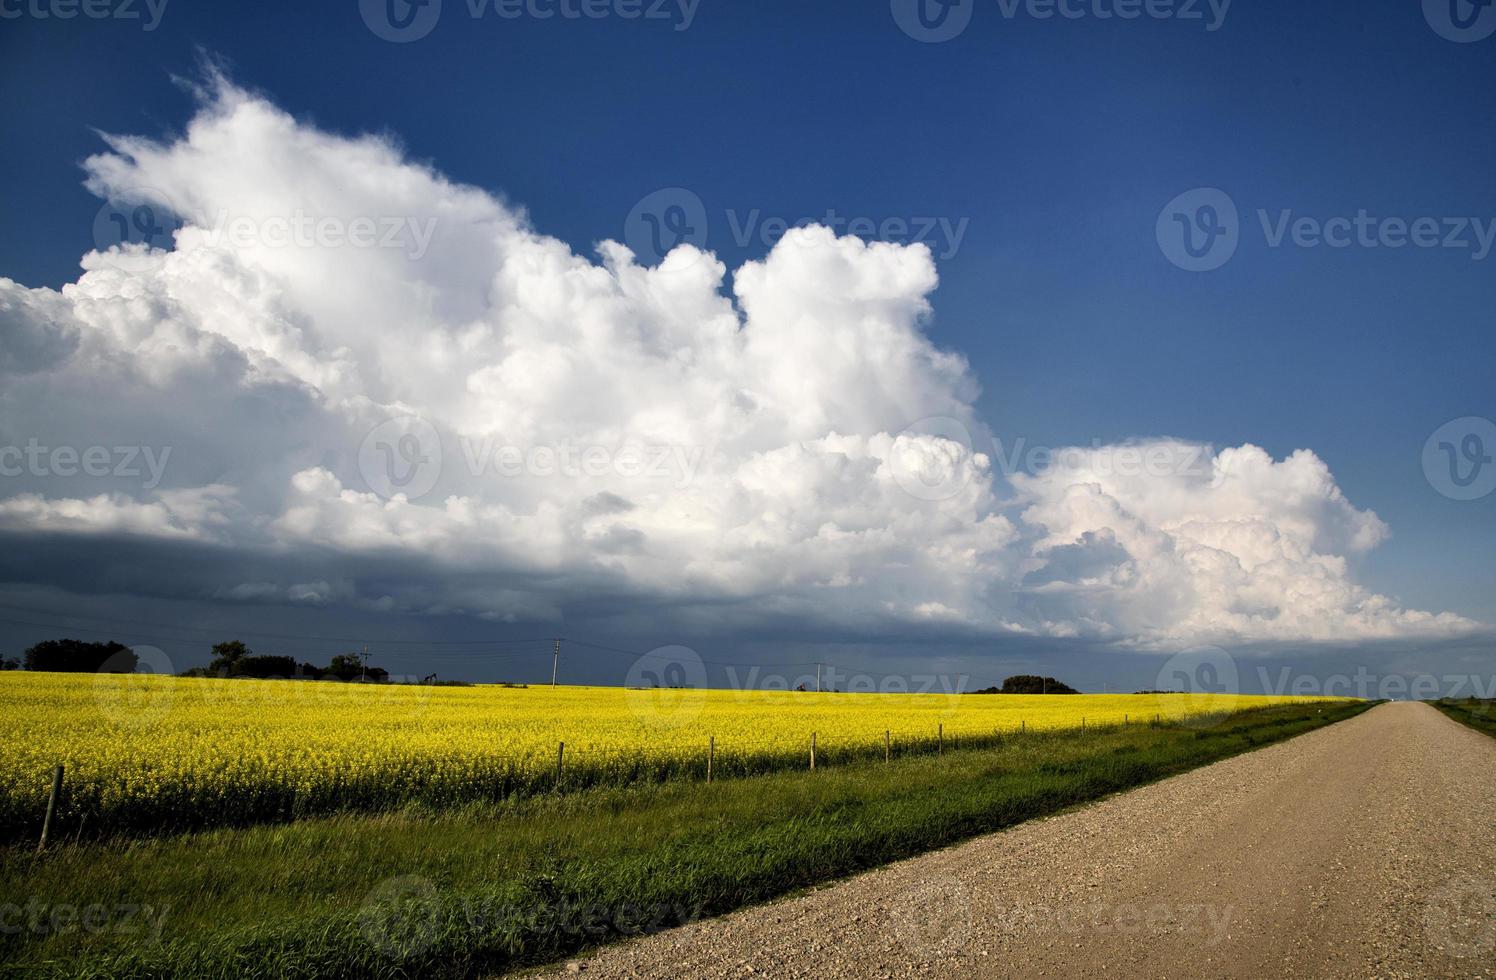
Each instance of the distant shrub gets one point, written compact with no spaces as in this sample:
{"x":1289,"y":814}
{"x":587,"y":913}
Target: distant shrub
{"x":264,"y":666}
{"x":350,"y":667}
{"x":1029,"y":684}
{"x":80,"y":657}
{"x":233,"y":659}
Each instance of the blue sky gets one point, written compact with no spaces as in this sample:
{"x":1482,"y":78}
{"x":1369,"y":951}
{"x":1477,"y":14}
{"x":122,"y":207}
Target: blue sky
{"x":1053,"y":144}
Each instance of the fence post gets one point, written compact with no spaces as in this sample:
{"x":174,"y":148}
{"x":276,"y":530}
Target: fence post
{"x":1082,"y":724}
{"x":560,"y":755}
{"x":52,"y":799}
{"x":812,"y":751}
{"x":940,"y":739}
{"x":887,"y":745}
{"x":711,"y":751}
{"x":1022,"y":727}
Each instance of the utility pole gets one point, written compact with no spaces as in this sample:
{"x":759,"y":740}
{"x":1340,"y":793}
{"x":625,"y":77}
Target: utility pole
{"x":366,"y":662}
{"x":818,"y":678}
{"x":555,"y":661}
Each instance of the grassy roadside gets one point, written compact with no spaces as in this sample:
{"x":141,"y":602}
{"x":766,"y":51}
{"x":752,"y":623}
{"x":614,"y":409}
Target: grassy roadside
{"x":1479,"y":715}
{"x":499,"y":886}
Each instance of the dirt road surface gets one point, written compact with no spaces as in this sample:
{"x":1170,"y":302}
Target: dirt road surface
{"x":1366,"y":849}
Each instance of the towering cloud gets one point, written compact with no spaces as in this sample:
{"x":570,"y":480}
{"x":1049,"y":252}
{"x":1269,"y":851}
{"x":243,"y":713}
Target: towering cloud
{"x":348,"y":361}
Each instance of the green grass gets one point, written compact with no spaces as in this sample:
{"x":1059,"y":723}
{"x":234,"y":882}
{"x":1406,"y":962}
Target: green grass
{"x":1479,"y":715}
{"x":498,"y":886}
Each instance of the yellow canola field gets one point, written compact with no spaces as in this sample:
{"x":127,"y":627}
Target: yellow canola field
{"x":148,"y":751}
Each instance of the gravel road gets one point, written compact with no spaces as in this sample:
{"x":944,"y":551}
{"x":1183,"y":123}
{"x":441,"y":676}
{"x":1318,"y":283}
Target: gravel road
{"x":1366,"y":849}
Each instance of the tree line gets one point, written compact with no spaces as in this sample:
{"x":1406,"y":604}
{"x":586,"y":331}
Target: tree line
{"x":230,"y":659}
{"x":1029,"y":684}
{"x":234,"y":659}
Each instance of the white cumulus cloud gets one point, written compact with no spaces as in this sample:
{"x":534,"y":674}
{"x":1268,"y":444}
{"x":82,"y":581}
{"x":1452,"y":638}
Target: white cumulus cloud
{"x":349,"y":355}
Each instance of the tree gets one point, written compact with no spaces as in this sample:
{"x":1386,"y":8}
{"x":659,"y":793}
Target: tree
{"x":7,"y":663}
{"x":1029,"y":684}
{"x":226,"y":657}
{"x":80,"y":657}
{"x":350,"y":667}
{"x":345,"y":666}
{"x":263,"y":667}
{"x":1034,"y":684}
